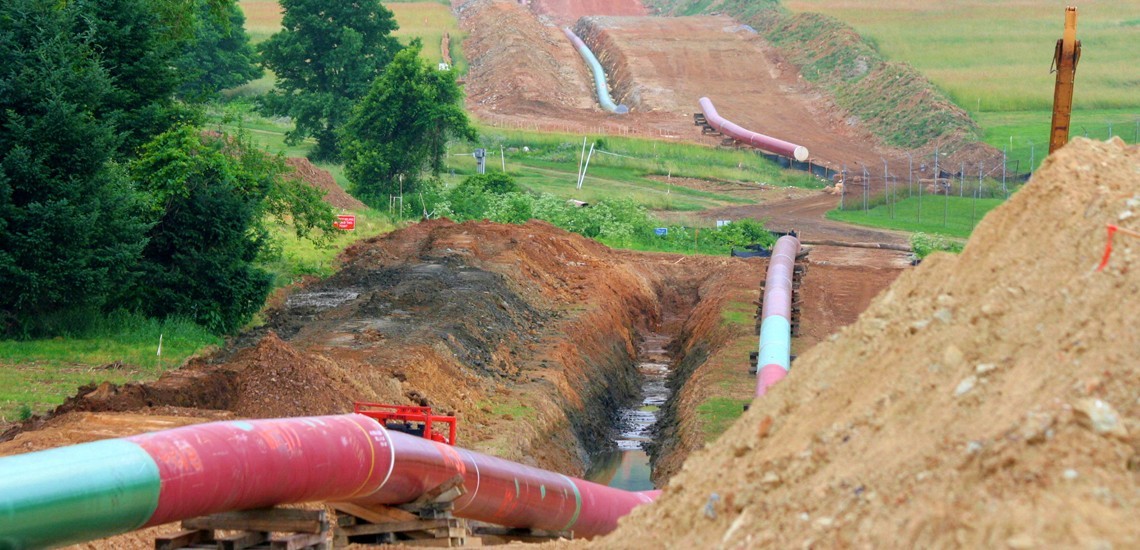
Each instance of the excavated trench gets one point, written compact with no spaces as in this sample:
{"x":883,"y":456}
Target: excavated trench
{"x":551,"y":349}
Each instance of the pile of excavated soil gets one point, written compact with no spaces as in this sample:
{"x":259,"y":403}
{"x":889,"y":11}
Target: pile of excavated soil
{"x":566,"y":12}
{"x":324,"y":182}
{"x":990,"y":399}
{"x":519,"y":66}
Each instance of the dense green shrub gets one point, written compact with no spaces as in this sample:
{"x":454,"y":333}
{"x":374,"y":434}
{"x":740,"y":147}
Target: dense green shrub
{"x":925,"y":244}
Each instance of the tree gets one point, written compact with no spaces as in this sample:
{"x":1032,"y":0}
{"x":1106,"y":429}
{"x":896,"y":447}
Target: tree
{"x":138,"y":43}
{"x":69,"y":224}
{"x":401,"y":128}
{"x":209,"y":199}
{"x":219,"y":56}
{"x":325,"y":57}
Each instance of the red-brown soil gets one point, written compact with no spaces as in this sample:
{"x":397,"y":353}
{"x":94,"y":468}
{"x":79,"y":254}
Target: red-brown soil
{"x":984,"y":400}
{"x":324,"y":182}
{"x":566,"y":12}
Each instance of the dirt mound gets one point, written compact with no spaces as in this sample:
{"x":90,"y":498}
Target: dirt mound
{"x":519,"y":66}
{"x":984,"y":400}
{"x":322,"y":180}
{"x":566,"y":12}
{"x":501,"y":324}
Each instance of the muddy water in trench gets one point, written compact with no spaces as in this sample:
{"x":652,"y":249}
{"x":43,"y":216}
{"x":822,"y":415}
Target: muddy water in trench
{"x":627,"y":466}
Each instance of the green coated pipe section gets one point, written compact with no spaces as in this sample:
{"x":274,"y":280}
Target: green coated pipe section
{"x":110,"y":487}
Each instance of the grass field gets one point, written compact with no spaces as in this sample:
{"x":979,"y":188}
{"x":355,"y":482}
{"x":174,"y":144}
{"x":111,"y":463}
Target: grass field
{"x":995,"y":56}
{"x":427,"y":21}
{"x":1025,"y":134}
{"x":936,"y":214}
{"x":35,"y":376}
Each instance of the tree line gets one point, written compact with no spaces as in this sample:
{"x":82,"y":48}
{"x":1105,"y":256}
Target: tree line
{"x":112,"y":197}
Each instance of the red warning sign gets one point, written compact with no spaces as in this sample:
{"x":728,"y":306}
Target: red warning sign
{"x":345,"y":222}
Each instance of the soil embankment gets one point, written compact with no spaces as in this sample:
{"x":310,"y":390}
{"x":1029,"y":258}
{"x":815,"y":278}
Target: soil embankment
{"x":984,"y":400}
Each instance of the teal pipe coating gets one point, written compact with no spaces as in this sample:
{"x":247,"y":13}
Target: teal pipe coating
{"x":604,"y":98}
{"x":77,"y":493}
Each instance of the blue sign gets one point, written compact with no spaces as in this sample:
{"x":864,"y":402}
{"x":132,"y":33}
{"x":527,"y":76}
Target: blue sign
{"x":661,"y":231}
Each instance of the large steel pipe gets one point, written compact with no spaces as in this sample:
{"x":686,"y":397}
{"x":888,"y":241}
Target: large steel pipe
{"x":775,"y":319}
{"x":604,"y":98}
{"x":757,"y":140}
{"x":85,"y":492}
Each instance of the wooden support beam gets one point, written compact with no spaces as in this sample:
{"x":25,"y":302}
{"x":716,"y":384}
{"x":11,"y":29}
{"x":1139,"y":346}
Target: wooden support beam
{"x":181,"y":539}
{"x":374,"y":514}
{"x":265,"y":519}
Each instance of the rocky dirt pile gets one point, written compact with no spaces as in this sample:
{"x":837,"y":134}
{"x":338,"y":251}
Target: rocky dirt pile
{"x":323,"y":181}
{"x":990,"y":399}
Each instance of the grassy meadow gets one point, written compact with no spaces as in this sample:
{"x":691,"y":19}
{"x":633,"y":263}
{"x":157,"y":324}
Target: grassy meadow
{"x":995,"y":56}
{"x":933,"y":214}
{"x":427,"y":21}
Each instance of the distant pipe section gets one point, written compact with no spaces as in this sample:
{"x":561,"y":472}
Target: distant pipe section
{"x":759,"y":141}
{"x":604,"y":98}
{"x":775,"y":317}
{"x":95,"y":490}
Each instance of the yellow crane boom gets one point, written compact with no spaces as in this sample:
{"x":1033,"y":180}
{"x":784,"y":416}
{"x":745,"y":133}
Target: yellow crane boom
{"x":1065,"y":61}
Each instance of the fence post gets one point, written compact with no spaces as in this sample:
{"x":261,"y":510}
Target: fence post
{"x":866,"y":184}
{"x":1004,"y":162}
{"x":843,"y":191}
{"x":887,"y":185}
{"x":962,"y":180}
{"x":909,"y":175}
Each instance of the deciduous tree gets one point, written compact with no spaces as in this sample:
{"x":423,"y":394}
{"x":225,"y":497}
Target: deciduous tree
{"x":325,"y":57}
{"x":401,"y":128}
{"x":219,"y":55}
{"x":209,"y":200}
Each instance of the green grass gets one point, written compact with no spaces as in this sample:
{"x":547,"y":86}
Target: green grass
{"x":995,"y":56}
{"x":301,"y":258}
{"x":939,"y":214}
{"x":512,"y":408}
{"x":1025,"y":134}
{"x":738,"y":313}
{"x":646,"y":156}
{"x":716,"y":414}
{"x":39,"y":374}
{"x":427,"y":21}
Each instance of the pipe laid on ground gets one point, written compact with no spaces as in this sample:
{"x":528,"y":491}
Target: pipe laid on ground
{"x":604,"y":98}
{"x":776,"y":315}
{"x":759,"y":141}
{"x":94,"y":490}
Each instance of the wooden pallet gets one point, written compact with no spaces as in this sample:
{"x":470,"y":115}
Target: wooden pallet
{"x":267,"y":528}
{"x":426,"y":522}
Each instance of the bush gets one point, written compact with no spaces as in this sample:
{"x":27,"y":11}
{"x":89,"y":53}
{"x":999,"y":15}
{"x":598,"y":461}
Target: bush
{"x":741,"y":233}
{"x":498,"y":183}
{"x":925,"y":244}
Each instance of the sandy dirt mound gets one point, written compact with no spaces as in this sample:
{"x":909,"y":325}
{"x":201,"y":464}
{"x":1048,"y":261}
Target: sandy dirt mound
{"x":323,"y":181}
{"x":984,"y":400}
